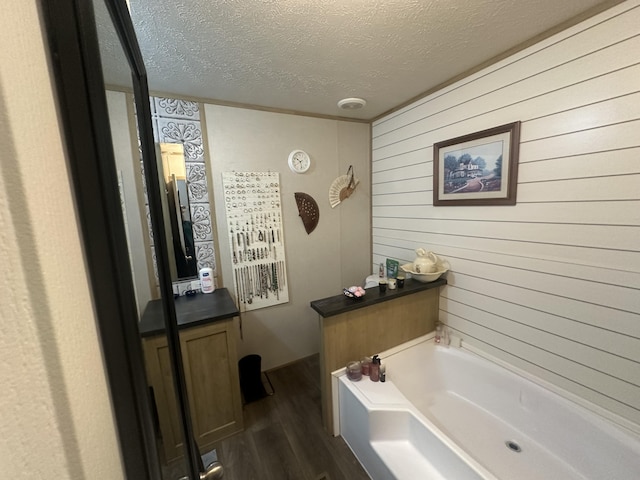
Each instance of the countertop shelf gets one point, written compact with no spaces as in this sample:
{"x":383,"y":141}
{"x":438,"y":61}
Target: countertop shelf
{"x":190,"y":311}
{"x":330,"y":306}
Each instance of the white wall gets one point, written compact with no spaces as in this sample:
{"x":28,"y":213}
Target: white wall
{"x":336,"y":254}
{"x":552,"y":284}
{"x":56,"y":418}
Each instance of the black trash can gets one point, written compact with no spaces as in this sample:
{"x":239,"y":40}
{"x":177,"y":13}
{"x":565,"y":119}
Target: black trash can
{"x":251,"y":385}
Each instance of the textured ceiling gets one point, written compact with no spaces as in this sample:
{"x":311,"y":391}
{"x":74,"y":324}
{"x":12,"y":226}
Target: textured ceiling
{"x":305,"y":55}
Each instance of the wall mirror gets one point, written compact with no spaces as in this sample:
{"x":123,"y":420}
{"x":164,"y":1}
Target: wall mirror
{"x":178,"y":129}
{"x":166,"y":175}
{"x":171,"y":182}
{"x":92,"y":44}
{"x":179,"y":209}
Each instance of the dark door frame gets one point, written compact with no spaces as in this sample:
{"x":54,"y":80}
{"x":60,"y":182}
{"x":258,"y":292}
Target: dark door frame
{"x":75,"y":61}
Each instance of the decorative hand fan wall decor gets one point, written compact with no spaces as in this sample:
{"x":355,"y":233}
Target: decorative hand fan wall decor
{"x":308,"y":211}
{"x":342,"y":187}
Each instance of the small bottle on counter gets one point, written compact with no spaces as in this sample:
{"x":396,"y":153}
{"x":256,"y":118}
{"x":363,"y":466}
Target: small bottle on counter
{"x":374,"y":370}
{"x":366,"y":364}
{"x":206,"y":280}
{"x":383,"y":373}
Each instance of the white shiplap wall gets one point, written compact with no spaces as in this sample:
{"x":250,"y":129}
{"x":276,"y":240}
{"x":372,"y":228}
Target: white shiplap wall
{"x":552,"y":284}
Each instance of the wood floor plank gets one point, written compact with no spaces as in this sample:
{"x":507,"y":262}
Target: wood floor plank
{"x":307,"y":442}
{"x":284,"y":438}
{"x":240,"y":458}
{"x":301,"y":416}
{"x":278,"y":458}
{"x":295,"y":413}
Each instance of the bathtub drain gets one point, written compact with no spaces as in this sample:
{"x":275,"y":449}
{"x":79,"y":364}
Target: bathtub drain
{"x":513,"y":446}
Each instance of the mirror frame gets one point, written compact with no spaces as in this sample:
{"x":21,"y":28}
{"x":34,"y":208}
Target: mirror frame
{"x":75,"y":60}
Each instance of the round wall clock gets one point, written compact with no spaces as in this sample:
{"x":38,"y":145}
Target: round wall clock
{"x":299,"y":161}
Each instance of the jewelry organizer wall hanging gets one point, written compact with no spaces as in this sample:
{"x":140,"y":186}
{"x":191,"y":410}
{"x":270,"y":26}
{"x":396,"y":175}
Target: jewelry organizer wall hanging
{"x":254,"y":223}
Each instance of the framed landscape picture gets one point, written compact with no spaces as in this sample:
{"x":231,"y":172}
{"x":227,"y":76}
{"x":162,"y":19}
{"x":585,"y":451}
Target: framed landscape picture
{"x":477,"y":169}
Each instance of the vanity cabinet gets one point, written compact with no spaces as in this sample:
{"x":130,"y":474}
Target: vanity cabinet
{"x":211,"y":375}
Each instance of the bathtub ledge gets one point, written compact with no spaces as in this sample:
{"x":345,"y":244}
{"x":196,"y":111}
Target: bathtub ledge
{"x":400,"y":437}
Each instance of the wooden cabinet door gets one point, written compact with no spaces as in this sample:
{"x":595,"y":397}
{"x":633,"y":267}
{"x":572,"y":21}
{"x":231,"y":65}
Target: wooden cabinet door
{"x":211,"y":374}
{"x":211,"y":370}
{"x":160,"y":378}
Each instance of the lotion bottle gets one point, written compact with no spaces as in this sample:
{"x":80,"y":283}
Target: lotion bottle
{"x":374,"y":369}
{"x":206,"y":280}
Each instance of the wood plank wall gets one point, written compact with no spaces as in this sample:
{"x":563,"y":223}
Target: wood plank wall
{"x":552,"y":284}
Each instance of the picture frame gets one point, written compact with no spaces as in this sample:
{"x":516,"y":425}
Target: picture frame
{"x":393,"y":266}
{"x":477,"y":169}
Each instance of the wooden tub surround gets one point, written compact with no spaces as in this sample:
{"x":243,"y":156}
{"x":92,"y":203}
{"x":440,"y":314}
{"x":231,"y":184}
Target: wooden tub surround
{"x":353,"y":328}
{"x":208,"y":344}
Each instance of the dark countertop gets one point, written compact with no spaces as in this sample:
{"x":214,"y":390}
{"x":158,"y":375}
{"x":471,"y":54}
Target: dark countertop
{"x":330,"y":306}
{"x":193,"y":311}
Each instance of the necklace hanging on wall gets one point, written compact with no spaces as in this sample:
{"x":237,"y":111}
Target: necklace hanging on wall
{"x":308,"y":211}
{"x":256,"y":239}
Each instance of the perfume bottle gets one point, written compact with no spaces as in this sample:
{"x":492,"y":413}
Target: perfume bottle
{"x":374,"y":369}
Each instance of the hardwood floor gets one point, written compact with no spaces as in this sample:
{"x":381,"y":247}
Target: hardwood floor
{"x":284,"y":438}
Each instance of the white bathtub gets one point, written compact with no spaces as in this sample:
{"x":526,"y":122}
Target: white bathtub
{"x":448,"y":413}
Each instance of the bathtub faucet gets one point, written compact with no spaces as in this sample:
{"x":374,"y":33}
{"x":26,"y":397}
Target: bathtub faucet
{"x":442,"y":334}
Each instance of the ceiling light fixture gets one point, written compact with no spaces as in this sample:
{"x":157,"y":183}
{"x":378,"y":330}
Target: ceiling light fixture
{"x":351,"y":103}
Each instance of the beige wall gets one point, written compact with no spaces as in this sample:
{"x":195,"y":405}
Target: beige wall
{"x":56,"y":418}
{"x":551,"y":284}
{"x":130,"y":176}
{"x":336,"y":254}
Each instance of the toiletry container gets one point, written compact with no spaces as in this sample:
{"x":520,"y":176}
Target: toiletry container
{"x":206,"y":280}
{"x":366,"y":365}
{"x":354,"y":371}
{"x":374,"y":369}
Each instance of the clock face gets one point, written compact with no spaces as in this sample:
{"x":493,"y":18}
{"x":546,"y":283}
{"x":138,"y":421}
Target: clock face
{"x":299,"y":161}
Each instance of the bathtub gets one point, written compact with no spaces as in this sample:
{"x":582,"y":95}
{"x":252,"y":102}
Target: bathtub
{"x":449,"y":413}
